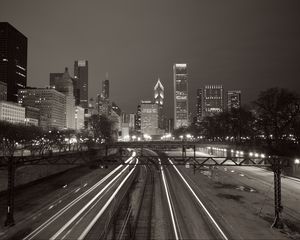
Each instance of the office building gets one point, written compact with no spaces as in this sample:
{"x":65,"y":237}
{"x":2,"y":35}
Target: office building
{"x":234,"y":100}
{"x":159,"y":100}
{"x":64,"y":84}
{"x":149,"y":118}
{"x":180,"y":78}
{"x":3,"y":91}
{"x":13,"y":60}
{"x":32,"y":116}
{"x":213,"y":99}
{"x":81,"y":83}
{"x":105,"y":88}
{"x":12,"y":112}
{"x":199,"y":114}
{"x":138,"y":118}
{"x":52,"y":105}
{"x":103,"y":106}
{"x":79,"y":118}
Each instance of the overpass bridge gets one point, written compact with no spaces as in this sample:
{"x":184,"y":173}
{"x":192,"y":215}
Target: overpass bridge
{"x":180,"y":158}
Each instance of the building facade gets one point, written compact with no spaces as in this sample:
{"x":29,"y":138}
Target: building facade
{"x":199,"y":113}
{"x":79,"y":118}
{"x":159,"y":97}
{"x":12,"y":112}
{"x":213,"y":98}
{"x":81,"y":83}
{"x":180,"y":78}
{"x":234,"y":100}
{"x":13,"y":60}
{"x":105,"y":88}
{"x":52,"y":105}
{"x":149,"y":118}
{"x":3,"y":91}
{"x":32,"y":116}
{"x":64,"y":84}
{"x":138,"y":118}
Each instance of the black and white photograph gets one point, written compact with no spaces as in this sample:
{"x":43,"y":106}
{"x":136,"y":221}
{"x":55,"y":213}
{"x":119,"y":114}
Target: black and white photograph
{"x":149,"y":119}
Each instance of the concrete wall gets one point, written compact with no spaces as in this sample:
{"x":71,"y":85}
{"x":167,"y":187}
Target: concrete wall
{"x":27,"y":174}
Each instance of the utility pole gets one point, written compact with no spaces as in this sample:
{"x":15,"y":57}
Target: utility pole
{"x":11,"y":169}
{"x":277,"y":193}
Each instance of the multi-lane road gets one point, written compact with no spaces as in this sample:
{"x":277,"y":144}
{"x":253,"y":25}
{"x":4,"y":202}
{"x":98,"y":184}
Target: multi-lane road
{"x":184,"y":205}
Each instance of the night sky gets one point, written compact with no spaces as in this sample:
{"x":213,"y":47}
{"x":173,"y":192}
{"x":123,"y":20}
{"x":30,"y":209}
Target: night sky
{"x":247,"y":45}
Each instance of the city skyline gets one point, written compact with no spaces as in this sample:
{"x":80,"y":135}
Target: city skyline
{"x":221,"y":43}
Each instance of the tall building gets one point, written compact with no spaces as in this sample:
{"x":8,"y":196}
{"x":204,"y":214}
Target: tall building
{"x":81,"y":83}
{"x":199,"y":105}
{"x":79,"y":118}
{"x":64,"y":84}
{"x":138,"y":118}
{"x":52,"y":105}
{"x":213,"y":98}
{"x":234,"y":100}
{"x":32,"y":116}
{"x":103,"y":106}
{"x":159,"y":100}
{"x":149,"y":118}
{"x":13,"y":60}
{"x":105,"y":88}
{"x":12,"y":112}
{"x":3,"y":91}
{"x":181,"y":113}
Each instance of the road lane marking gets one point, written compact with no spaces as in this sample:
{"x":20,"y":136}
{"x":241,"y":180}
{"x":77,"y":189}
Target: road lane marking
{"x":200,"y":202}
{"x":68,"y":206}
{"x":95,"y":219}
{"x":87,"y":205}
{"x":169,"y":202}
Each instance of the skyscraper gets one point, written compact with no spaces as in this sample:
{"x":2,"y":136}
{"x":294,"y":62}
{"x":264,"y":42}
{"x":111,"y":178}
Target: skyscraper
{"x":213,"y":99}
{"x":199,"y":105}
{"x":138,"y":118}
{"x":52,"y":105}
{"x":105,"y":88}
{"x":149,"y":118}
{"x":180,"y":77}
{"x":63,"y":83}
{"x":13,"y":60}
{"x":233,"y":99}
{"x":3,"y":91}
{"x":81,"y":83}
{"x":159,"y":100}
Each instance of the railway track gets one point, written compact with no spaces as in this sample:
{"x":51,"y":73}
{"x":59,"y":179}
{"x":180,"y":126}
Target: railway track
{"x":143,"y":224}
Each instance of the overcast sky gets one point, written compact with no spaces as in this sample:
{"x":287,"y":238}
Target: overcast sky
{"x":247,"y":45}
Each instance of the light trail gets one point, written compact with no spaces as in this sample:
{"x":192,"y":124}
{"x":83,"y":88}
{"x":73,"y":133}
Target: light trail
{"x":95,"y":219}
{"x":169,"y":202}
{"x":68,"y":206}
{"x":200,"y":202}
{"x":88,"y":204}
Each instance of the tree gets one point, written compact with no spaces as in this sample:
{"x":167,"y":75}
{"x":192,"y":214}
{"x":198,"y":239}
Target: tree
{"x":277,"y":109}
{"x":101,"y":127}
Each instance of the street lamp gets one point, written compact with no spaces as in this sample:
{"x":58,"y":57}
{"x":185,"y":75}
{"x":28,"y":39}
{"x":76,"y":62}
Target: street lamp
{"x":297,"y":161}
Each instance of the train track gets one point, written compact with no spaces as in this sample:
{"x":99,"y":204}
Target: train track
{"x":143,"y":224}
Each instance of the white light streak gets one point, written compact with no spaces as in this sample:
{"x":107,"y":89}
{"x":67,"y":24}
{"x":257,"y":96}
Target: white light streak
{"x":199,"y":201}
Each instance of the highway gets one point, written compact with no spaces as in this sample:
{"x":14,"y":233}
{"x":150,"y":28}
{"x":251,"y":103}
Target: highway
{"x":75,"y":218}
{"x":189,"y":217}
{"x":175,"y":203}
